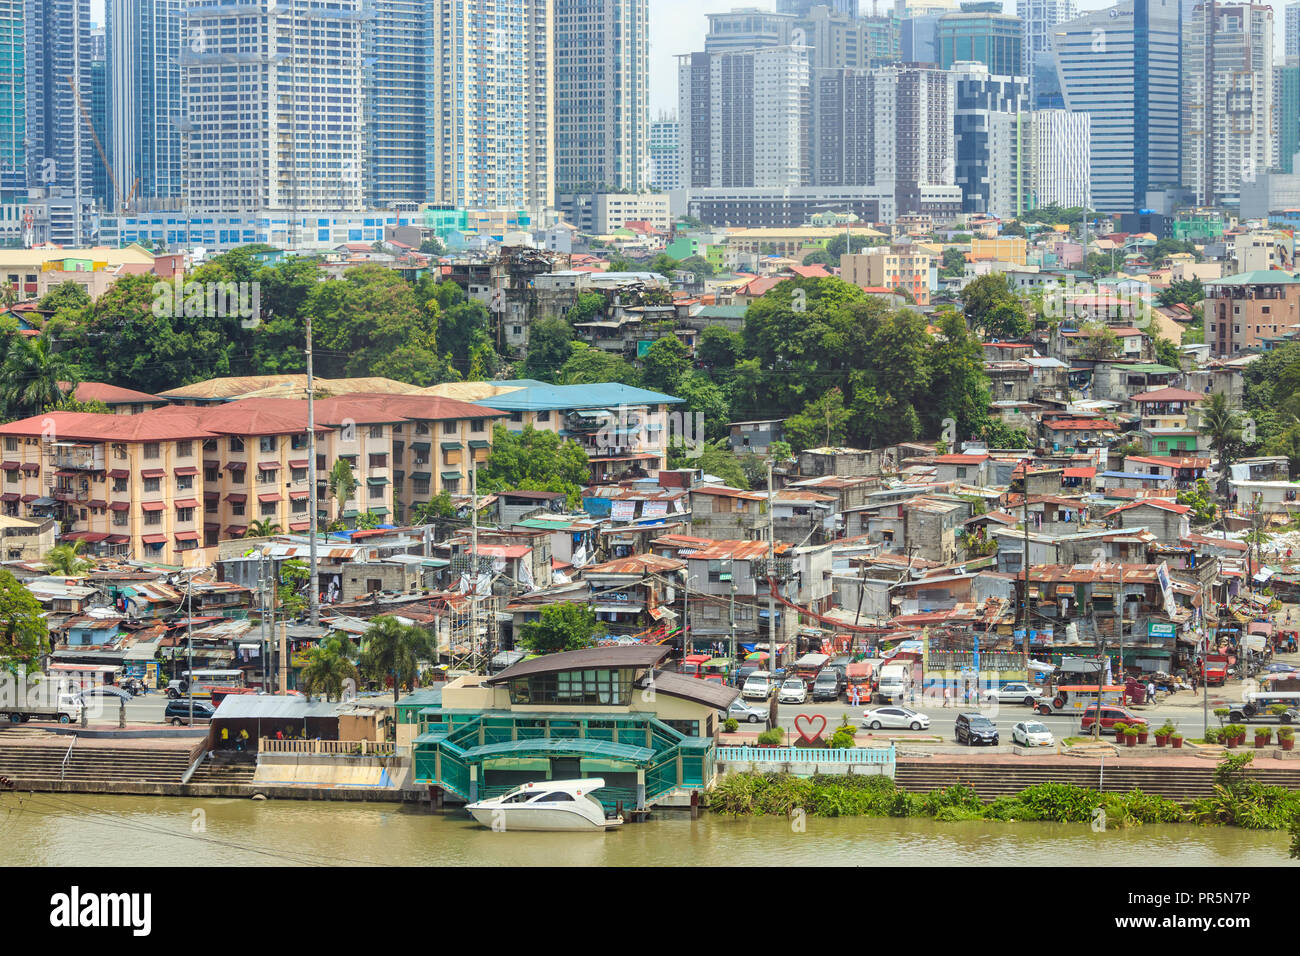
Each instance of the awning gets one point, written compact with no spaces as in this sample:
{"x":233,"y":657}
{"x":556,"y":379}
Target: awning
{"x":153,"y":473}
{"x":236,"y":465}
{"x":209,"y":463}
{"x":187,"y":536}
{"x":236,"y":530}
{"x":377,"y":481}
{"x":451,"y":476}
{"x":480,"y":443}
{"x":154,"y":539}
{"x":186,"y":503}
{"x":120,"y":506}
{"x":421,"y":476}
{"x":119,"y":473}
{"x":14,"y":466}
{"x":451,"y":446}
{"x":96,"y":503}
{"x":299,"y":525}
{"x":118,"y":539}
{"x":10,"y":496}
{"x":186,"y":470}
{"x":268,"y":466}
{"x":61,"y":473}
{"x":300,"y":463}
{"x":299,"y":495}
{"x":212,"y":526}
{"x":153,"y":506}
{"x":237,"y":498}
{"x":211,"y":496}
{"x":269,"y":497}
{"x":31,"y":467}
{"x":29,"y":498}
{"x":420,"y":446}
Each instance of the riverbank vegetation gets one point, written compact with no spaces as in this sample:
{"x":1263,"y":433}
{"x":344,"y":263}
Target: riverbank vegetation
{"x":1237,"y":800}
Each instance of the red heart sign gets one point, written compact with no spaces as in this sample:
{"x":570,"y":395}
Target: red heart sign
{"x":809,"y":718}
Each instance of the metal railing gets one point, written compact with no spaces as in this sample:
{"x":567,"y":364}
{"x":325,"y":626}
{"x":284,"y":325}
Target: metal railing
{"x":850,"y":755}
{"x":336,"y":748}
{"x":63,"y":767}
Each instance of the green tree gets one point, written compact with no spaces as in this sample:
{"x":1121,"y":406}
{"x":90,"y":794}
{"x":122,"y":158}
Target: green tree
{"x":66,"y":560}
{"x":258,"y":528}
{"x":329,"y":667}
{"x":391,"y":650}
{"x":664,"y":364}
{"x":954,"y":263}
{"x":823,"y":421}
{"x":588,"y":307}
{"x":712,"y":458}
{"x":699,"y":265}
{"x":719,"y":348}
{"x":1222,"y":427}
{"x":560,"y":627}
{"x":550,"y":343}
{"x":533,"y":460}
{"x":1185,"y":291}
{"x":24,"y":635}
{"x":1100,"y":342}
{"x":30,"y":375}
{"x":295,"y":578}
{"x":341,"y":482}
{"x":1200,"y":500}
{"x":587,"y":365}
{"x":992,"y":307}
{"x":66,"y":297}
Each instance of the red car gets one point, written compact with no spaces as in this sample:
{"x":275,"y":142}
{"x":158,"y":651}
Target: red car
{"x":1110,"y":716}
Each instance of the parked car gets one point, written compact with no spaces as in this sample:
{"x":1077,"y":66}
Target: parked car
{"x":1017,"y":693}
{"x":744,"y":713}
{"x":178,"y":712}
{"x":758,"y":686}
{"x":745,"y":672}
{"x":828,"y":685}
{"x":1109,"y":717}
{"x":793,"y":691}
{"x":1032,"y":734}
{"x":894,"y":717}
{"x":975,"y":729}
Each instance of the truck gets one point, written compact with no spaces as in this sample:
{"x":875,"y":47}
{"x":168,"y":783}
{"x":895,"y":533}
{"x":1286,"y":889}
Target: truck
{"x":893,"y":682}
{"x":25,"y":697}
{"x":1216,"y":669}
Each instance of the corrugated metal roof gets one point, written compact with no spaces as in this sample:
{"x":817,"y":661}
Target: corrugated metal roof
{"x":272,"y":706}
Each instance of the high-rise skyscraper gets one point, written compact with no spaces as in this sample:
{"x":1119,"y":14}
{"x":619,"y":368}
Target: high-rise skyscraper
{"x":1291,"y":31}
{"x":1060,"y":173}
{"x":1227,"y":125}
{"x":1039,"y":19}
{"x":990,"y":130}
{"x":602,"y":99}
{"x":144,"y":39}
{"x":744,"y":117}
{"x":982,"y":33}
{"x":101,"y":182}
{"x":666,"y":153}
{"x":13,"y":105}
{"x":290,"y":136}
{"x":853,"y":129}
{"x":490,"y":103}
{"x":1121,"y":65}
{"x":394,"y":49}
{"x":57,"y":76}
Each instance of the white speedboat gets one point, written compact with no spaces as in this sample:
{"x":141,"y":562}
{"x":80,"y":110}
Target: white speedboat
{"x":546,"y":805}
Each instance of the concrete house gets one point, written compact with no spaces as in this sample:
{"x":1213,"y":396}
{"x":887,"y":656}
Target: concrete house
{"x":1167,"y":520}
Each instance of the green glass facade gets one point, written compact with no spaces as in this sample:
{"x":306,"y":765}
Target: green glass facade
{"x":994,"y":39}
{"x":12,"y":101}
{"x":1288,"y":134}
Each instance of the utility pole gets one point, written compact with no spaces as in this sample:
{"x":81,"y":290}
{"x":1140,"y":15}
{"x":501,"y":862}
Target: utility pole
{"x":771,"y":565}
{"x":1024,"y":615}
{"x":313,"y":596}
{"x":1120,"y":620}
{"x":189,"y":641}
{"x":473,"y":580}
{"x":731,"y":613}
{"x":261,"y":606}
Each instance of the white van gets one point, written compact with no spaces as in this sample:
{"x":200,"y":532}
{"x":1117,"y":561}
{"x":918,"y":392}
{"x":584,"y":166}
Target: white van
{"x":758,"y":686}
{"x":893,"y":682}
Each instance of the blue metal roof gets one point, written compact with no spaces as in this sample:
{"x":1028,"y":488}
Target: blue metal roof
{"x":545,"y":397}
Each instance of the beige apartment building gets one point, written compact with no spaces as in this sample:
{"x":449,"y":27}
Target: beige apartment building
{"x":905,"y":266}
{"x":167,"y":484}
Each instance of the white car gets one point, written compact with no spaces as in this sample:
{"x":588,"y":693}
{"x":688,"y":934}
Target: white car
{"x":1017,"y":693}
{"x":758,"y":686}
{"x":894,"y":717}
{"x":793,"y":691}
{"x":1032,"y":734}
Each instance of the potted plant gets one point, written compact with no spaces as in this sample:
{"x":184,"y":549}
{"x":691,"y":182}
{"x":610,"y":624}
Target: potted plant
{"x":771,"y":738}
{"x":1277,"y":710}
{"x":731,"y":725}
{"x":1142,"y":731}
{"x":1119,"y":727}
{"x":1176,"y":739}
{"x":1263,"y":735}
{"x":1213,"y":735}
{"x":1241,"y":735}
{"x":1229,"y":735}
{"x":1130,"y":736}
{"x":1286,"y":738}
{"x":1163,"y":733}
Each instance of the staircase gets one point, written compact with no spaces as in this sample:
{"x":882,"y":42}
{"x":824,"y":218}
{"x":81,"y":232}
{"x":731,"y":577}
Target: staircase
{"x":1176,"y":783}
{"x":36,"y":764}
{"x":225,"y":773}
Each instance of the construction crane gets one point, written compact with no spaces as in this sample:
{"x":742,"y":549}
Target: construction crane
{"x":95,"y":136}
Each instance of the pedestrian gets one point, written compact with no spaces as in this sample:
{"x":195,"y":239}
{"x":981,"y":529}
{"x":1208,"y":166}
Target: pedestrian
{"x":912,"y":697}
{"x":946,"y":692}
{"x":243,"y":739}
{"x":1151,"y":692}
{"x":225,"y":738}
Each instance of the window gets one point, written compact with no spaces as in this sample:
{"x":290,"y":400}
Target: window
{"x":299,"y":506}
{"x":184,"y":449}
{"x":151,"y":450}
{"x":119,"y":484}
{"x":11,"y":444}
{"x":120,"y":519}
{"x":476,"y":426}
{"x":269,"y":509}
{"x":378,"y":461}
{"x":237,"y":509}
{"x":209,"y":444}
{"x":600,"y":686}
{"x":543,"y":417}
{"x":184,"y":482}
{"x":268,"y":443}
{"x":516,"y":416}
{"x":152,"y":484}
{"x":299,"y":474}
{"x":449,"y":428}
{"x":422,"y":428}
{"x":376,"y":492}
{"x":153,"y":517}
{"x":376,"y":431}
{"x":184,"y":514}
{"x":119,"y":451}
{"x":211,"y":475}
{"x":236,"y":444}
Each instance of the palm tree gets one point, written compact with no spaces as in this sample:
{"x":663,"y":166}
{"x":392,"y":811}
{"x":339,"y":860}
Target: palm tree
{"x":30,"y":377}
{"x":342,"y":483}
{"x":328,"y":669}
{"x":1223,"y":428}
{"x":66,"y":560}
{"x":393,"y":649}
{"x":257,"y":528}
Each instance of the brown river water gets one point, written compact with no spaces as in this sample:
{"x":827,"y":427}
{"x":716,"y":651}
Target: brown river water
{"x":89,"y":830}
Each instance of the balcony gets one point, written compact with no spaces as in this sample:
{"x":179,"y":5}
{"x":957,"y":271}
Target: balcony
{"x":79,"y":457}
